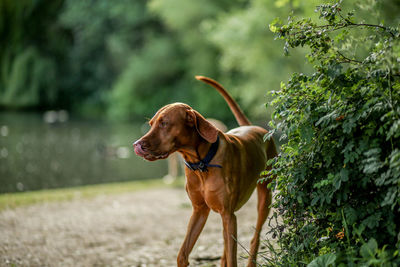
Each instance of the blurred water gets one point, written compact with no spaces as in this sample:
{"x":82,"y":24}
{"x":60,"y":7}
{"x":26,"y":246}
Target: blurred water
{"x":38,"y":152}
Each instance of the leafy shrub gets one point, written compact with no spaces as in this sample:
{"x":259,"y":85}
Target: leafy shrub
{"x":338,"y":174}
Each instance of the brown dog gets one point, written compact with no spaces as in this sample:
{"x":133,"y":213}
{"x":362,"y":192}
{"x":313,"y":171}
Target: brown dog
{"x":222,"y":168}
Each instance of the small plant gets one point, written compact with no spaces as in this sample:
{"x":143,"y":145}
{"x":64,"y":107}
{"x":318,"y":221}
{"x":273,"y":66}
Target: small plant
{"x":338,"y":174}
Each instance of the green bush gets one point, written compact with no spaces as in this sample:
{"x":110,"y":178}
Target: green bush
{"x":338,"y":174}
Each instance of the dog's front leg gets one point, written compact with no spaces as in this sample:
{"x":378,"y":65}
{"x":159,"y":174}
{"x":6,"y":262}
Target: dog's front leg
{"x":230,"y":237}
{"x":195,"y":226}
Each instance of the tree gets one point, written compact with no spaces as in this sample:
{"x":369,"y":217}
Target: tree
{"x":106,"y":34}
{"x":30,"y":53}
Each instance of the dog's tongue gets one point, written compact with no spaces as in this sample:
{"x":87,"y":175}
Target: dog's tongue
{"x":138,"y":150}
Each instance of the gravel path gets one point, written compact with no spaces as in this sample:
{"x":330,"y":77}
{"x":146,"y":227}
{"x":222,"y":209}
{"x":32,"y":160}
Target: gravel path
{"x":143,"y":228}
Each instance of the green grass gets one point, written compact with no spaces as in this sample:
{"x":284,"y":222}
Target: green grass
{"x":13,"y":200}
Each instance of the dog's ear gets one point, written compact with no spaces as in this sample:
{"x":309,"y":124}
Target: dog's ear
{"x":206,"y":130}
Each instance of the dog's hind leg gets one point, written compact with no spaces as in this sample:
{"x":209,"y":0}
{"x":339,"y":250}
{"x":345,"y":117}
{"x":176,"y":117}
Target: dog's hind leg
{"x":264,"y":201}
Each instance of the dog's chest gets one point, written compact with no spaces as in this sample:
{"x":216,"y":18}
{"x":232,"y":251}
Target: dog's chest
{"x":210,"y":189}
{"x":214,"y":191}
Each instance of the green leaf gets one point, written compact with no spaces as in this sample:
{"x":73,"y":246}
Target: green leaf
{"x":323,"y":261}
{"x":372,"y":221}
{"x":394,"y":130}
{"x":272,"y":27}
{"x":268,"y":135}
{"x":368,"y":250}
{"x":325,"y":120}
{"x":344,"y":175}
{"x":350,"y":215}
{"x":315,"y":200}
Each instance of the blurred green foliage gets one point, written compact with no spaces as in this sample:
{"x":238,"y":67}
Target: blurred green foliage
{"x":124,"y":59}
{"x":32,"y":45}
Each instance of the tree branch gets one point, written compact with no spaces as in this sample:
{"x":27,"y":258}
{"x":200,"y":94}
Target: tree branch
{"x":347,"y":24}
{"x":348,"y":60}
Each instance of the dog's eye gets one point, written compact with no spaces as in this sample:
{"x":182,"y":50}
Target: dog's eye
{"x":163,"y":124}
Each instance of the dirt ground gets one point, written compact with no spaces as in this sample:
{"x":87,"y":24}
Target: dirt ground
{"x":140,"y":229}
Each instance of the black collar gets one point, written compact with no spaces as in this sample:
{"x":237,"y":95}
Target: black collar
{"x":204,"y":163}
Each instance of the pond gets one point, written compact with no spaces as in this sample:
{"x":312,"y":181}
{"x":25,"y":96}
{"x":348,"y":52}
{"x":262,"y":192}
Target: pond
{"x":50,"y":150}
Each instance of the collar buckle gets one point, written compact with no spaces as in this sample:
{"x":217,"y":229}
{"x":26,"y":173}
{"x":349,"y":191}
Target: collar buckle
{"x":204,"y":163}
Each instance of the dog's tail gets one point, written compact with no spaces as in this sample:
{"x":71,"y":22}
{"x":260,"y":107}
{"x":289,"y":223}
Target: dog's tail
{"x":237,"y":112}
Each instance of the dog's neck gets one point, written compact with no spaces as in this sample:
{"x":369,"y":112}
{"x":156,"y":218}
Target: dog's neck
{"x":197,"y":151}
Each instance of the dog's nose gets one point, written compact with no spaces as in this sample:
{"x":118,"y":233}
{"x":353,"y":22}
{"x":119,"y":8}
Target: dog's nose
{"x":141,"y":143}
{"x":139,"y":149}
{"x":137,"y":142}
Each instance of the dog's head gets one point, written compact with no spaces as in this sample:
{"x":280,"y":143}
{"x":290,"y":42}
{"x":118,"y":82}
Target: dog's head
{"x":174,"y":126}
